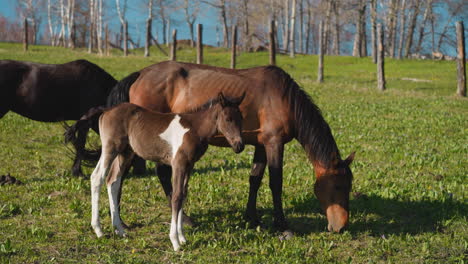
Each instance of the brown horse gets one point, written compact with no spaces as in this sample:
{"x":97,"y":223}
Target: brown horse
{"x":54,"y":92}
{"x":275,"y":111}
{"x":176,"y":140}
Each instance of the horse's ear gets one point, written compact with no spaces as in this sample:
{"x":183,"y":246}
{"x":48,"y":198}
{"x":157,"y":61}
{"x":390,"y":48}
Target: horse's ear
{"x":222,"y":99}
{"x":350,"y":158}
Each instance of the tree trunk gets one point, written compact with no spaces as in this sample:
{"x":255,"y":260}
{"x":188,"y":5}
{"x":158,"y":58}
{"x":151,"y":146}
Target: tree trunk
{"x":308,"y":28}
{"x":320,"y":57}
{"x":427,"y":13}
{"x":359,"y":40}
{"x":402,"y":28}
{"x":327,"y":28}
{"x":293,"y":30}
{"x":336,"y":44}
{"x":25,"y":35}
{"x":392,"y":27}
{"x":374,"y":29}
{"x":301,"y":27}
{"x":411,"y":27}
{"x":148,"y":37}
{"x":125,"y":39}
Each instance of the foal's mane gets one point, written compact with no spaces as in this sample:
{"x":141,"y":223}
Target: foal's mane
{"x":311,"y":129}
{"x":210,"y":103}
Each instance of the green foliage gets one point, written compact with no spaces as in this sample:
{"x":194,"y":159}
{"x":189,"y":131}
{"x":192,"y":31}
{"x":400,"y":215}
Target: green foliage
{"x":408,"y":203}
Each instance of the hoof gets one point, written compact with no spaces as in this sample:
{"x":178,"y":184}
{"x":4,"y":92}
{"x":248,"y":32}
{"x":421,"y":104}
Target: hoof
{"x":286,"y":235}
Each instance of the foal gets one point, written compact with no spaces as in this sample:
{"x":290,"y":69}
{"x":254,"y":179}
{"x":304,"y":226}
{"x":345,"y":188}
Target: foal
{"x":178,"y":140}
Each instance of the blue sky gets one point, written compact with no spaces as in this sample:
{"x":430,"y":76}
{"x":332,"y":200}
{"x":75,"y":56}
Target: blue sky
{"x":136,"y":16}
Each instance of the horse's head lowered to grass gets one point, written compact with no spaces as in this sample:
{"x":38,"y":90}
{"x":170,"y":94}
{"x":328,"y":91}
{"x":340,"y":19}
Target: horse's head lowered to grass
{"x":332,"y":189}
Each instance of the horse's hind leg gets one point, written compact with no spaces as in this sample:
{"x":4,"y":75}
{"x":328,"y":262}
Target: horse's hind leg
{"x":164,"y":173}
{"x":97,"y":178}
{"x":255,"y":180}
{"x":79,"y":147}
{"x":114,"y":184}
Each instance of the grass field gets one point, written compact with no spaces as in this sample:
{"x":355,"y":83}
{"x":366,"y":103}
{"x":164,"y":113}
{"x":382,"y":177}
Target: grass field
{"x":408,"y":204}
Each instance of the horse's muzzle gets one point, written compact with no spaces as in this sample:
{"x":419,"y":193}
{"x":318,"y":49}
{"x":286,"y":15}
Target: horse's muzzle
{"x":337,"y":218}
{"x":238,"y":147}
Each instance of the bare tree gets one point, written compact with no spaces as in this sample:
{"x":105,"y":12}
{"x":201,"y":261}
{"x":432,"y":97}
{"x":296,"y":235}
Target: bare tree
{"x":222,"y":8}
{"x":293,"y":29}
{"x":402,"y":28}
{"x":415,"y":8}
{"x":359,"y":40}
{"x":373,"y":5}
{"x":191,"y":10}
{"x":31,"y":10}
{"x":148,"y":28}
{"x":391,"y":25}
{"x":422,"y":27}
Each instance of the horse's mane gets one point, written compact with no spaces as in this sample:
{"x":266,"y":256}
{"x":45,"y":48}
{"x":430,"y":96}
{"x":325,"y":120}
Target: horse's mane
{"x":96,"y":73}
{"x":208,"y":105}
{"x":311,"y":129}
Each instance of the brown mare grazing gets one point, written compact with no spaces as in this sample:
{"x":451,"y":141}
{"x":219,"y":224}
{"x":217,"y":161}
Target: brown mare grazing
{"x":172,"y":139}
{"x":54,"y":92}
{"x":275,"y":110}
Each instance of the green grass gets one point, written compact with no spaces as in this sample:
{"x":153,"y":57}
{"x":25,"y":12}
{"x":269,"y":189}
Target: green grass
{"x":409,"y":202}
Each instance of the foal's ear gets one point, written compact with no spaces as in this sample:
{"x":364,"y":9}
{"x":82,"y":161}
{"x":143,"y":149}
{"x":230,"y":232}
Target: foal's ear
{"x":350,"y":158}
{"x":222,"y":99}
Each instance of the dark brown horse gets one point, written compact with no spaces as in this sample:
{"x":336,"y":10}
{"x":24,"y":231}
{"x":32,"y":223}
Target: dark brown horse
{"x":275,"y":111}
{"x":172,"y":139}
{"x":53,"y":92}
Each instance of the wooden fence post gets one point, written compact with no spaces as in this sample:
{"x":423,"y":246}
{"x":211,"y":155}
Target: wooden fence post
{"x":148,"y":37}
{"x":106,"y":40}
{"x":380,"y":59}
{"x":199,"y":44}
{"x":25,"y":36}
{"x":174,"y":45}
{"x":125,"y":38}
{"x":461,"y":60}
{"x":320,"y":61}
{"x":272,"y":43}
{"x":233,"y":47}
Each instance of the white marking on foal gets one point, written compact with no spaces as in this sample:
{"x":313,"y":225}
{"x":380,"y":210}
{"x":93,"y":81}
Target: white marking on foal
{"x":174,"y":134}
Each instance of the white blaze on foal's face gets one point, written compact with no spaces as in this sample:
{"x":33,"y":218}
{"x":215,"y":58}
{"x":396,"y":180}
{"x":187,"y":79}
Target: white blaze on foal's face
{"x":174,"y":134}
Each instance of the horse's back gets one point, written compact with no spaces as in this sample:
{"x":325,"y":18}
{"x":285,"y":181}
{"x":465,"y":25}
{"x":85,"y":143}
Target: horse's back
{"x":54,"y":92}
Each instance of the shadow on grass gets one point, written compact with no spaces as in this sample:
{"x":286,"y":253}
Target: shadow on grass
{"x":373,"y":215}
{"x":378,"y":215}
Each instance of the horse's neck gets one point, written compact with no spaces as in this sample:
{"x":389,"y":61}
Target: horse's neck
{"x":204,"y":122}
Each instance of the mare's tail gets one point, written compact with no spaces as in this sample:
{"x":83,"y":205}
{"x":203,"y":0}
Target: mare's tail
{"x":81,"y":127}
{"x":120,"y":92}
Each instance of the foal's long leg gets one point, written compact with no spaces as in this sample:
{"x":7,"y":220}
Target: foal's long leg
{"x":255,"y":180}
{"x":114,"y":186}
{"x":164,"y":173}
{"x":97,"y":178}
{"x":176,"y":233}
{"x":274,"y":151}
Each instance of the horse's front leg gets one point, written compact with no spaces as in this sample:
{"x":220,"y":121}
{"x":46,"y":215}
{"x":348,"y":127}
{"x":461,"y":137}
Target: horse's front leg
{"x":114,"y":187}
{"x":255,"y":180}
{"x":176,"y":232}
{"x":164,"y":173}
{"x":274,"y":152}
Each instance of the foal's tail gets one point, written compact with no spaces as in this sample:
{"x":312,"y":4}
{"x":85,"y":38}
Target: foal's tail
{"x":120,"y":92}
{"x":87,"y":121}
